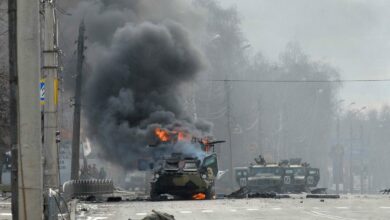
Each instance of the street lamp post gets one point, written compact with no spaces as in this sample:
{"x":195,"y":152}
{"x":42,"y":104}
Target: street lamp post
{"x":361,"y":142}
{"x":350,"y":154}
{"x":337,"y":179}
{"x":350,"y":150}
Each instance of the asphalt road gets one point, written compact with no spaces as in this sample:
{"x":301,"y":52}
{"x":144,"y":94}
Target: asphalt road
{"x":346,"y":208}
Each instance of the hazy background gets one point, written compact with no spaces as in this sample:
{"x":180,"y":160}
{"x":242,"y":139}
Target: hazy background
{"x":352,"y":35}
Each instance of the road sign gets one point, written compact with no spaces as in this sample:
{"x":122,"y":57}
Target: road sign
{"x":42,"y":91}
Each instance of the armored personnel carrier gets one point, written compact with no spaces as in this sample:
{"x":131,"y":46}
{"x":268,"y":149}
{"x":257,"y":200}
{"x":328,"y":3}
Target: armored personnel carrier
{"x":283,"y":177}
{"x":190,"y":171}
{"x":299,"y":177}
{"x":185,"y":177}
{"x":265,"y":178}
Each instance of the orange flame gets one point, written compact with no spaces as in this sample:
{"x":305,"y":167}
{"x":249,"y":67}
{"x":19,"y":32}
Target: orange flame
{"x":176,"y":135}
{"x":206,"y":144}
{"x":199,"y":196}
{"x":182,"y":136}
{"x":163,"y":135}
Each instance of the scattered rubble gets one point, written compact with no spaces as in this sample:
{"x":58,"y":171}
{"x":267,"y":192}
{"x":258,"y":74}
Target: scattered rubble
{"x":114,"y":199}
{"x":138,"y":199}
{"x":245,"y":193}
{"x":156,"y":215}
{"x":318,"y":191}
{"x":323,"y":196}
{"x":239,"y":194}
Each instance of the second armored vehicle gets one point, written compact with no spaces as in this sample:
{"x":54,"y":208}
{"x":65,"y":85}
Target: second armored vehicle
{"x":265,"y":178}
{"x":284,"y":177}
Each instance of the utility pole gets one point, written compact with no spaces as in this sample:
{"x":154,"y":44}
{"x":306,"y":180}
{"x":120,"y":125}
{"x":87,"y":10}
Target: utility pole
{"x":229,"y":127}
{"x":77,"y":106}
{"x":350,"y":150}
{"x":338,"y":146}
{"x":13,"y":79}
{"x":50,"y":77}
{"x":361,"y":164}
{"x":351,"y":183}
{"x":29,"y":136}
{"x":350,"y":158}
{"x":50,"y":108}
{"x":279,"y":146}
{"x":258,"y":129}
{"x":338,"y":152}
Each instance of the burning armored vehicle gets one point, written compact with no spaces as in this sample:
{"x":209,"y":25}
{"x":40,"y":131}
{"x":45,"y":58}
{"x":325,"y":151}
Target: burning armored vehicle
{"x":286,"y":176}
{"x":183,"y":175}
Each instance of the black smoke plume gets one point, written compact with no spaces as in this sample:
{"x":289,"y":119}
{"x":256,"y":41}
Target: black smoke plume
{"x":139,"y":61}
{"x":135,"y":87}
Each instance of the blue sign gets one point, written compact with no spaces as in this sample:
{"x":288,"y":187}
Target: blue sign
{"x":42,"y":91}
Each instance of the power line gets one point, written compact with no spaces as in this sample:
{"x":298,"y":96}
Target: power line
{"x":62,"y":11}
{"x":300,"y":81}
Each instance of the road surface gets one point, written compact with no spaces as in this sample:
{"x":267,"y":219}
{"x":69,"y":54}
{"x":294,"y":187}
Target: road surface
{"x":347,"y":208}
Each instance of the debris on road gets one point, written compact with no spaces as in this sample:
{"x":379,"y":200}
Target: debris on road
{"x":318,"y":191}
{"x":245,"y":193}
{"x":323,"y":196}
{"x":156,"y":215}
{"x":239,"y":194}
{"x":114,"y":199}
{"x":138,"y":199}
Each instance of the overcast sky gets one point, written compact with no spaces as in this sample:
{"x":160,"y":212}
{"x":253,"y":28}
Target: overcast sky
{"x":352,"y":35}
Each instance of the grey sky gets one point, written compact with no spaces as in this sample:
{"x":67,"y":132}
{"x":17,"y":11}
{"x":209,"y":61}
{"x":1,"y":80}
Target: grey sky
{"x":353,"y":35}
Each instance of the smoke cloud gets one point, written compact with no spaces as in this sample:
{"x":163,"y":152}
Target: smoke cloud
{"x":138,"y":65}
